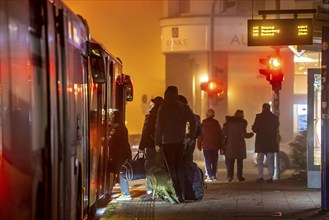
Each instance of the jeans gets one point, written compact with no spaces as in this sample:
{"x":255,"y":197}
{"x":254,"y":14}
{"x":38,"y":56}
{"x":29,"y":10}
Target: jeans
{"x":270,"y":164}
{"x":211,"y":162}
{"x":124,"y":187}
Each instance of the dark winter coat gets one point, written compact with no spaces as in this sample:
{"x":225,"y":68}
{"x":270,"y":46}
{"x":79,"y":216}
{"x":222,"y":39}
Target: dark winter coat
{"x":148,"y":132}
{"x":119,"y":148}
{"x":198,"y":132}
{"x":266,"y":128}
{"x":211,"y":134}
{"x":171,"y":120}
{"x":198,"y":126}
{"x":234,"y":130}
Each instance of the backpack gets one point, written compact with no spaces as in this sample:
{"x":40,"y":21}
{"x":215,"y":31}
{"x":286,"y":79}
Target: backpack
{"x":194,"y":181}
{"x":161,"y":184}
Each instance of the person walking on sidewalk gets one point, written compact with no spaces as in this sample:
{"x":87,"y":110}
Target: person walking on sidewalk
{"x":266,"y":144}
{"x":170,"y":130}
{"x":210,"y":142}
{"x":146,"y":144}
{"x":235,"y":131}
{"x":119,"y":149}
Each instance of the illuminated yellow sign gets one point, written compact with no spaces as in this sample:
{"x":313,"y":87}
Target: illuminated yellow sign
{"x":274,"y":32}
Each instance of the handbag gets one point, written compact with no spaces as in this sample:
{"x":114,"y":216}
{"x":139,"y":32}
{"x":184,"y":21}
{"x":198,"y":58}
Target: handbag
{"x":134,"y":169}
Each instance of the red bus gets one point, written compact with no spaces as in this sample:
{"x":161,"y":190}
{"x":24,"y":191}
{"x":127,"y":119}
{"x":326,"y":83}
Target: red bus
{"x":57,"y":88}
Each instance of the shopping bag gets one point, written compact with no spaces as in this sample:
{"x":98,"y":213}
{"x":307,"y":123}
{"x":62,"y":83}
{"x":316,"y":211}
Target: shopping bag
{"x":134,"y":169}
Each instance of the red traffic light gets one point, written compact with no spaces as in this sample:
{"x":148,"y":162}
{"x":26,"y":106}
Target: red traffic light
{"x":265,"y":72}
{"x":276,"y":74}
{"x":213,"y":87}
{"x":272,"y":62}
{"x":273,"y":71}
{"x":275,"y":63}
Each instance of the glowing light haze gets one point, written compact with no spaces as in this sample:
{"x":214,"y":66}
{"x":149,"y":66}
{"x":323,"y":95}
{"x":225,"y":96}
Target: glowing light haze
{"x":131,"y":31}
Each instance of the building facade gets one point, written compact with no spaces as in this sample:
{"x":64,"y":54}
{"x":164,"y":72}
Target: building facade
{"x":208,"y":39}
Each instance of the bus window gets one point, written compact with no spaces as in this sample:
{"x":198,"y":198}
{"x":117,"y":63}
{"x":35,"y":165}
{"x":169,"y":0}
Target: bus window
{"x":97,"y":63}
{"x":129,"y":88}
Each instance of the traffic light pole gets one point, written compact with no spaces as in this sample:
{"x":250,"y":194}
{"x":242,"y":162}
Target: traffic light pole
{"x":276,"y":111}
{"x":274,"y":75}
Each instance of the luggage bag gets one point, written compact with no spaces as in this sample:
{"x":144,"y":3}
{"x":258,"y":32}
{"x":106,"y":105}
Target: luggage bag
{"x":194,"y":181}
{"x":161,"y":184}
{"x":160,"y":180}
{"x":134,"y":169}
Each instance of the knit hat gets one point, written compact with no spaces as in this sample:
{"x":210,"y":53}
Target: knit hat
{"x":157,"y":100}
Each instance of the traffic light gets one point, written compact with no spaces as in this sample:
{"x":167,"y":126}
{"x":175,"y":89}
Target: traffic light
{"x":273,"y":71}
{"x":265,"y":72}
{"x":214,"y":88}
{"x":276,"y":72}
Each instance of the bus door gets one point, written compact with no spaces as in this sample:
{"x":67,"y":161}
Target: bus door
{"x":73,"y":104}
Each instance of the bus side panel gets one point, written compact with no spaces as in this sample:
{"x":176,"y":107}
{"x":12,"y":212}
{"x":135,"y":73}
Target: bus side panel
{"x":22,"y":111}
{"x":53,"y":161}
{"x":75,"y":115}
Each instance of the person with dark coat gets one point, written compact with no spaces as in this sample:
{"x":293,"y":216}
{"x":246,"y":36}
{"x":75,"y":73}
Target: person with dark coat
{"x":190,"y":144}
{"x":146,"y":144}
{"x":235,"y":131}
{"x":266,"y":127}
{"x":119,"y":149}
{"x":170,"y":130}
{"x":210,"y":143}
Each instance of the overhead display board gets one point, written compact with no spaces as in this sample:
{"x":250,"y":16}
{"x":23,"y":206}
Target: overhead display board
{"x":276,"y":32}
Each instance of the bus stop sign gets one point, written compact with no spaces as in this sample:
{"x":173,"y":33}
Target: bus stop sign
{"x":276,"y":32}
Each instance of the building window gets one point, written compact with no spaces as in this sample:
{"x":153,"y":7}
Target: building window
{"x":302,"y":63}
{"x":240,"y":7}
{"x":184,"y":6}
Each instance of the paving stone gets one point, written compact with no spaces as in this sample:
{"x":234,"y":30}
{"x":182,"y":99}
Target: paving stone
{"x":283,"y":199}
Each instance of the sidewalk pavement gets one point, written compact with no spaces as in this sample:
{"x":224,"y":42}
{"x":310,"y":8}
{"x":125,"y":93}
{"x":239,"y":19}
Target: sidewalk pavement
{"x":283,"y":199}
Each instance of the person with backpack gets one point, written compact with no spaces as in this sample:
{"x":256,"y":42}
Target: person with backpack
{"x":170,"y":131}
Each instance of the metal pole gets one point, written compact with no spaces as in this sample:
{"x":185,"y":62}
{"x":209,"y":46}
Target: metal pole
{"x":212,"y":30}
{"x":276,"y":111}
{"x":325,"y":121}
{"x":211,"y":49}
